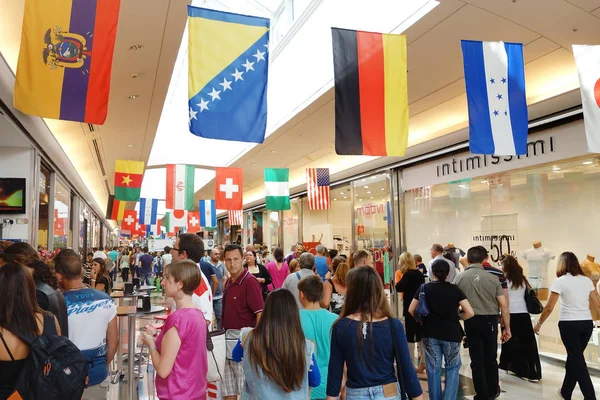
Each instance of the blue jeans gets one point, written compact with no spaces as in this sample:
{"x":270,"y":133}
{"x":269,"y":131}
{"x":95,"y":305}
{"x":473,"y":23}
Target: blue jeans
{"x":370,"y":393}
{"x":217,"y":307}
{"x":434,"y":350}
{"x":145,"y":279}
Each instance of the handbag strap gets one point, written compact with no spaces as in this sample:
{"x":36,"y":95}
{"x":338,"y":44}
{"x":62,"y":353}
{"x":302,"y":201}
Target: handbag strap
{"x":403,"y":394}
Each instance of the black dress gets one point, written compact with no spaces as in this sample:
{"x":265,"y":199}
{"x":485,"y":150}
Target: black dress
{"x":520,"y":354}
{"x":263,"y":273}
{"x":409,"y":285}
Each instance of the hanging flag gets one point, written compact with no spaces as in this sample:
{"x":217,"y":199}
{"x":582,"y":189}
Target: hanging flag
{"x":180,"y":187}
{"x":115,"y":209}
{"x":193,"y":221}
{"x":65,"y":59}
{"x":317,"y":188}
{"x":176,"y":219}
{"x":371,"y":100}
{"x":235,"y":217}
{"x":129,"y":221}
{"x":495,"y":82}
{"x":277,"y":188}
{"x":148,"y":211}
{"x":140,"y":229}
{"x":587,"y":59}
{"x":60,"y":224}
{"x":228,"y":188}
{"x":128,"y":179}
{"x":208,"y":213}
{"x":228,"y":69}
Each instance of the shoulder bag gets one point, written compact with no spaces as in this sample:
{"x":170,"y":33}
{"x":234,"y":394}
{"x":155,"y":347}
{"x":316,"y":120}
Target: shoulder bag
{"x":422,"y":310}
{"x":534,"y":305}
{"x":403,"y":394}
{"x":216,"y":349}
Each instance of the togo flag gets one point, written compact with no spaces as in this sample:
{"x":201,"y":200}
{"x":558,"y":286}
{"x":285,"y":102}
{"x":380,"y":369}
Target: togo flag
{"x":587,"y":59}
{"x":148,"y":211}
{"x":180,"y":187}
{"x":208,"y":213}
{"x":277,"y":188}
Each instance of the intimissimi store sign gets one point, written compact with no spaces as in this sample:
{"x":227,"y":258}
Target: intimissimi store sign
{"x":566,"y":141}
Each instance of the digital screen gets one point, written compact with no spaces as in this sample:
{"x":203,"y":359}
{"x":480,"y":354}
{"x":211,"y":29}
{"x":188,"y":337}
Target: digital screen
{"x":12,"y":195}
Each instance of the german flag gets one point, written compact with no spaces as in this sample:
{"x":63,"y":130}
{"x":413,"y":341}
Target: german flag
{"x":115,"y":209}
{"x":371,"y":101}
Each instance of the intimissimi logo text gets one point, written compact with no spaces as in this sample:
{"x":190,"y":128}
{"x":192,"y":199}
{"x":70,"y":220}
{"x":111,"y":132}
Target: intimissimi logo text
{"x":474,"y":162}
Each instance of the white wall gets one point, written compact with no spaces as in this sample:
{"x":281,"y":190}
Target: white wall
{"x":17,"y":162}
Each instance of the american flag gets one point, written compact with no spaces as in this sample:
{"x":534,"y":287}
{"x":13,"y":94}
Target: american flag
{"x":235,"y":217}
{"x":317,"y":183}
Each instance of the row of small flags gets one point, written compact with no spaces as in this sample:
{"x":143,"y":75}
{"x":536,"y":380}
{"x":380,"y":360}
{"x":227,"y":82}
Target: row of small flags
{"x":227,"y":85}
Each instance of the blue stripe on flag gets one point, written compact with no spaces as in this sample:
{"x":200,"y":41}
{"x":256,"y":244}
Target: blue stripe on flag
{"x":154,"y":213}
{"x":213,"y":213}
{"x":142,"y":212}
{"x":517,"y":99}
{"x":201,"y":207}
{"x":481,"y":140}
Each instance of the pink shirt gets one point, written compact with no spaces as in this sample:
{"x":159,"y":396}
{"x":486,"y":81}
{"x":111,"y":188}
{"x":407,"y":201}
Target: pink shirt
{"x":187,"y":380}
{"x":278,"y":275}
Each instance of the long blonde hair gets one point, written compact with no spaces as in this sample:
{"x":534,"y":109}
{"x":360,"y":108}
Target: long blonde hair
{"x":406,"y":262}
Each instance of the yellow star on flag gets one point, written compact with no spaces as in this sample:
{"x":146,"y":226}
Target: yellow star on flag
{"x":127,"y":180}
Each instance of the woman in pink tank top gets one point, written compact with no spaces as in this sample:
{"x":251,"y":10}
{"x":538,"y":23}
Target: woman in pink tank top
{"x":179,"y":351}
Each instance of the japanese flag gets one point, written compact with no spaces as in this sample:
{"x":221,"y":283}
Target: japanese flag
{"x":587,"y":59}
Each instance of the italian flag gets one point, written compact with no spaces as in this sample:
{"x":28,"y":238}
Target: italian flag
{"x":277,"y":188}
{"x":180,"y":187}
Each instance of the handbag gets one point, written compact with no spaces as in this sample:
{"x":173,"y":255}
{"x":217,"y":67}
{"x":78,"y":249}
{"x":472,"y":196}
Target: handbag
{"x":403,"y":394}
{"x":534,"y":305}
{"x":422,"y":310}
{"x":216,"y":351}
{"x":231,"y":335}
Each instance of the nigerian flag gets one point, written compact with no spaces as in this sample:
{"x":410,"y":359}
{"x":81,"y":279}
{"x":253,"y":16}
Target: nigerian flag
{"x":277,"y":188}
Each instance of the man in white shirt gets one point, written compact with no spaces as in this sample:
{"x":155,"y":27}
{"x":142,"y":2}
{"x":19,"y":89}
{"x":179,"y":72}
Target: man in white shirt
{"x":436,"y":253}
{"x":189,"y":246}
{"x":167,"y":257}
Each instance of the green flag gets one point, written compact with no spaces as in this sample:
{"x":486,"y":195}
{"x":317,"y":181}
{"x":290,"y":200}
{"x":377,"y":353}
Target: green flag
{"x":277,"y":188}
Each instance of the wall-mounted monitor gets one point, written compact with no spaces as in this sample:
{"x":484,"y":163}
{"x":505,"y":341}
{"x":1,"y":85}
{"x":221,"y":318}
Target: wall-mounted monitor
{"x":12,"y":195}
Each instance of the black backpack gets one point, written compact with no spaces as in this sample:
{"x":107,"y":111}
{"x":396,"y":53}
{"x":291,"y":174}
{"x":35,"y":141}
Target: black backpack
{"x":55,"y":367}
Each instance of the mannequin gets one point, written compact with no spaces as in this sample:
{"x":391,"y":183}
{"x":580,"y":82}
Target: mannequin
{"x":538,"y":259}
{"x":591,"y":269}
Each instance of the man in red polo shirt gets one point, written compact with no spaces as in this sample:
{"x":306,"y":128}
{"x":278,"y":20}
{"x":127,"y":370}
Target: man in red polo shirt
{"x":242,"y":307}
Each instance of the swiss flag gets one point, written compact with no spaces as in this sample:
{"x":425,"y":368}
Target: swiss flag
{"x":141,"y":229}
{"x":228,"y":188}
{"x":193,"y":225}
{"x":129,"y":221}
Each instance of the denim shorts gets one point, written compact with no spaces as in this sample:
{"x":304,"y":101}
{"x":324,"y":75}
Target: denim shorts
{"x":372,"y":393}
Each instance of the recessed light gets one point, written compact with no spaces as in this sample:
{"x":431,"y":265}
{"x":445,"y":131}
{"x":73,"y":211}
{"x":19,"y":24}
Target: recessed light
{"x":136,"y":46}
{"x":555,"y":169}
{"x":368,"y":192}
{"x":342,"y":192}
{"x":382,"y":189}
{"x":366,"y":187}
{"x":133,"y":96}
{"x":373,"y":177}
{"x":364,"y":180}
{"x":273,"y":151}
{"x":588,"y":163}
{"x":345,"y":197}
{"x":130,"y":145}
{"x":371,"y":197}
{"x":334,"y":199}
{"x":359,"y":199}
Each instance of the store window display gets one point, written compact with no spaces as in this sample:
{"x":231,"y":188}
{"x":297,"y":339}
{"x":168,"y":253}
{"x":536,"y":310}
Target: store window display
{"x":538,"y":259}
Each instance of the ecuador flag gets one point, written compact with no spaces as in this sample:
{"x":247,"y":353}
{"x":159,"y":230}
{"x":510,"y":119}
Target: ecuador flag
{"x":65,"y":59}
{"x":371,"y":100}
{"x":128,"y":179}
{"x":228,"y":69}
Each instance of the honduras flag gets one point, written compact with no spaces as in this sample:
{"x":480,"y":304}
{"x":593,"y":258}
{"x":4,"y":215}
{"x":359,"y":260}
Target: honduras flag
{"x":228,"y":70}
{"x":208,"y":213}
{"x":495,"y":81}
{"x":148,"y":211}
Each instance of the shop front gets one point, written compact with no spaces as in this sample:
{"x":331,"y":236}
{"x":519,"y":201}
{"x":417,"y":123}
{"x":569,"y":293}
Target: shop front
{"x":534,"y":207}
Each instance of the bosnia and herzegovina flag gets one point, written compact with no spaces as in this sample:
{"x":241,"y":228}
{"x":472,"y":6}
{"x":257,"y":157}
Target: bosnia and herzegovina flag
{"x":228,"y":70}
{"x":65,"y":59}
{"x":371,"y":100}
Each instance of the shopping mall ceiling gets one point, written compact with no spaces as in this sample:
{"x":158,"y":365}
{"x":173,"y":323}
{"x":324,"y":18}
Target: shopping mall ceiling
{"x":150,"y":35}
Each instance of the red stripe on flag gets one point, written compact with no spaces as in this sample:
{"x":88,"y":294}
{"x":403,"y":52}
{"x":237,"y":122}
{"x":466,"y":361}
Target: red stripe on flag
{"x":122,"y":177}
{"x":371,"y":78}
{"x":105,"y":32}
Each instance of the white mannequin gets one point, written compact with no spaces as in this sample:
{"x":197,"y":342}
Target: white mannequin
{"x":538,"y":258}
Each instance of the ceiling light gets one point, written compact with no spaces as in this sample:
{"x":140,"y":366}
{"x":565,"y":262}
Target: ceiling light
{"x":382,"y":189}
{"x":368,"y":192}
{"x":133,"y":76}
{"x":371,"y":197}
{"x":135,"y":47}
{"x":273,"y":151}
{"x":555,"y":169}
{"x":359,"y":199}
{"x":588,"y":162}
{"x":345,"y":197}
{"x":366,"y":187}
{"x":133,"y":96}
{"x":342,"y":192}
{"x":373,"y":177}
{"x":334,"y":199}
{"x":364,"y":180}
{"x":130,"y":145}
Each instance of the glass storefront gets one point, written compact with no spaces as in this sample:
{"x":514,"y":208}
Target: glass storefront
{"x":61,"y":216}
{"x":43,"y":188}
{"x":291,"y":225}
{"x":544,"y":209}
